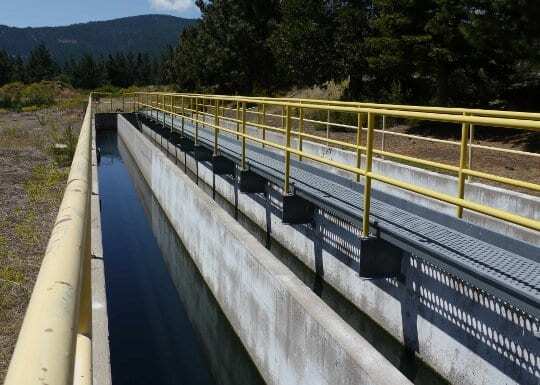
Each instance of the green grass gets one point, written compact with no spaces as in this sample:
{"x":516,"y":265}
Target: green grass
{"x":11,"y":275}
{"x":44,"y":181}
{"x":32,"y":97}
{"x":25,"y":229}
{"x":3,"y":247}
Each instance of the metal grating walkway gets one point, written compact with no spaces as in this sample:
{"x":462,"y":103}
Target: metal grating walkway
{"x":502,"y":266}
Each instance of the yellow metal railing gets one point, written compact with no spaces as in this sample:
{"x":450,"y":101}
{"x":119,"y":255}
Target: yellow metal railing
{"x":383,"y":131}
{"x":232,"y":115}
{"x":54,"y":344}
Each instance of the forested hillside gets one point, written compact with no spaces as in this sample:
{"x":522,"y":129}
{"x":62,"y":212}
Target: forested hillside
{"x":475,"y":53}
{"x":149,"y":34}
{"x":443,"y":52}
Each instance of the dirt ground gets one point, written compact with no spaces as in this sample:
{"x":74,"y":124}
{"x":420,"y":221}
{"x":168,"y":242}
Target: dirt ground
{"x":32,"y":182}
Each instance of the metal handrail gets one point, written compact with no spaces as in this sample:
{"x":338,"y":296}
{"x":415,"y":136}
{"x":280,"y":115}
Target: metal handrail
{"x":54,"y":344}
{"x":385,"y":132}
{"x":197,"y":110}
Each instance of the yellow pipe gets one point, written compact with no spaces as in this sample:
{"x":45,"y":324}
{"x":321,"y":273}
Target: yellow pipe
{"x":45,"y":349}
{"x":243,"y":136}
{"x":264,"y":123}
{"x":287,"y":152}
{"x":367,"y":180}
{"x":82,"y":374}
{"x":237,"y":118}
{"x":358,"y":144}
{"x":216,"y":128}
{"x":300,"y":132}
{"x":462,"y":165}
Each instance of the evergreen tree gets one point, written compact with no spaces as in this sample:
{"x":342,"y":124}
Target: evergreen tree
{"x":17,"y":70}
{"x":5,"y":68}
{"x":302,"y":42}
{"x":40,"y":65}
{"x":351,"y":28}
{"x":87,"y":73}
{"x":227,"y":49}
{"x":397,"y":49}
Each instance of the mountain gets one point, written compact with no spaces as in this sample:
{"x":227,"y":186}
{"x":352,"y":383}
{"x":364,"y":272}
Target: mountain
{"x":147,"y":33}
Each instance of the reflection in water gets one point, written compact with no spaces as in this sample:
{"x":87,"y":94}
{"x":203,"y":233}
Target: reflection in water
{"x":163,"y":330}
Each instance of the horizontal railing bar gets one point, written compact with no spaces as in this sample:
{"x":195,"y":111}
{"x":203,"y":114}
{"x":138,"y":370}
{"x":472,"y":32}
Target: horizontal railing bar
{"x":458,"y":201}
{"x":401,"y":134}
{"x":417,"y":161}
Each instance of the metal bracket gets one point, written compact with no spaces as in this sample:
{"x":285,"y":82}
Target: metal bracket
{"x":379,"y":259}
{"x":186,"y":144}
{"x":201,"y":153}
{"x":222,"y":165}
{"x":296,"y":210}
{"x":251,"y":183}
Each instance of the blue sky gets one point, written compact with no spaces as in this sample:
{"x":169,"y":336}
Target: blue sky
{"x":37,"y":13}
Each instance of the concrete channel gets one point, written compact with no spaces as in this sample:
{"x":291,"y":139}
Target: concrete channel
{"x":292,"y":336}
{"x":298,"y":310}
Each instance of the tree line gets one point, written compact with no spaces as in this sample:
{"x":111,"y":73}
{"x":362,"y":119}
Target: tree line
{"x":441,"y":52}
{"x":87,"y":72}
{"x":478,"y":53}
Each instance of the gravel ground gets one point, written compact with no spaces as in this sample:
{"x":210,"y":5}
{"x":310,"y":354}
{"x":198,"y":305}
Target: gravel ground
{"x":31,"y":188}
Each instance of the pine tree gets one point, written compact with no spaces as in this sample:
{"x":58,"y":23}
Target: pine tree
{"x":227,"y":49}
{"x":87,"y":73}
{"x":302,"y":42}
{"x":397,"y":49}
{"x":5,"y":68}
{"x":40,"y":65}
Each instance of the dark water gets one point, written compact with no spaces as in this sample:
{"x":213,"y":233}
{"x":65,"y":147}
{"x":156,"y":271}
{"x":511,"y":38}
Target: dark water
{"x":163,"y":330}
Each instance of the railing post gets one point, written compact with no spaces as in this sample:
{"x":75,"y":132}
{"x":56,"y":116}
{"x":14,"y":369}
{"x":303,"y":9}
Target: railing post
{"x":163,"y":109}
{"x":196,"y":120}
{"x":283,"y":117}
{"x":300,"y":130}
{"x":286,"y":187}
{"x":172,"y":112}
{"x":328,"y":126}
{"x":465,"y":127}
{"x":123,"y":103}
{"x":237,"y":119}
{"x":244,"y":136}
{"x":358,"y":144}
{"x":367,"y":179}
{"x":383,"y":129}
{"x":471,"y":139}
{"x":264,"y":123}
{"x":183,"y":112}
{"x":216,"y":129}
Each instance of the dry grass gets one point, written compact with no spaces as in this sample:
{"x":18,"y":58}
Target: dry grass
{"x":33,"y":181}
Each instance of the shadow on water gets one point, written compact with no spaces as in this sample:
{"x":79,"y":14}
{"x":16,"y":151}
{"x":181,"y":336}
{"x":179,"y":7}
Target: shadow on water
{"x":165,"y":326}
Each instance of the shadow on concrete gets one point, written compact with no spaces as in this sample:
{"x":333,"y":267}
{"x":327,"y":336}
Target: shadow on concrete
{"x":501,"y":335}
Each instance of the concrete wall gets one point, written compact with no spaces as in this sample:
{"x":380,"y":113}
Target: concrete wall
{"x":291,"y":335}
{"x":101,"y":363}
{"x":105,"y":121}
{"x":227,"y":358}
{"x":465,"y":334}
